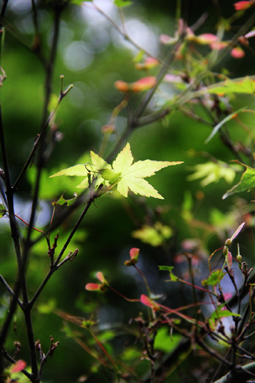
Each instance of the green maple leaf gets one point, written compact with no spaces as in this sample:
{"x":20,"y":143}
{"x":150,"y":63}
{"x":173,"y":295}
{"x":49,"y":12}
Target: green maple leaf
{"x":123,"y":172}
{"x":213,"y":171}
{"x":132,"y":175}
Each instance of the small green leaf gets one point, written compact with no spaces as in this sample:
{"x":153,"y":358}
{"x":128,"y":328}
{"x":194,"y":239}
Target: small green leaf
{"x":214,"y":278}
{"x":3,"y":210}
{"x":173,"y":277}
{"x":226,"y":119}
{"x":217,"y":314}
{"x":244,"y":85}
{"x":165,"y":342}
{"x":138,"y":57}
{"x":122,"y":3}
{"x":78,"y":2}
{"x":247,"y":182}
{"x":213,"y":172}
{"x":153,"y":235}
{"x":47,"y":308}
{"x":62,"y":200}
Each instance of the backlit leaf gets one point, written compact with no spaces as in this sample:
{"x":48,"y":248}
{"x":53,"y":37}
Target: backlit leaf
{"x":3,"y":210}
{"x":62,"y":200}
{"x":153,"y":235}
{"x":48,"y":307}
{"x":214,"y":278}
{"x":213,"y":172}
{"x":122,"y":3}
{"x":247,"y":182}
{"x":149,"y":302}
{"x":239,"y":85}
{"x":127,"y":175}
{"x":217,"y":314}
{"x":132,"y":176}
{"x":173,"y":278}
{"x":76,"y":170}
{"x":218,"y":126}
{"x":242,"y":5}
{"x":165,"y":342}
{"x":141,"y":85}
{"x":18,"y":366}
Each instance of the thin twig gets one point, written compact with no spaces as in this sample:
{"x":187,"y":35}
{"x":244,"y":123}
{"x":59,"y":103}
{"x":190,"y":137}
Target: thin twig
{"x":167,"y":62}
{"x":9,"y":289}
{"x":56,"y":264}
{"x":123,"y":32}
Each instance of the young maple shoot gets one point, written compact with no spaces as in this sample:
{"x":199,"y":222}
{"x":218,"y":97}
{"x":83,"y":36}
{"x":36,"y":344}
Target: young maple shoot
{"x":123,"y":173}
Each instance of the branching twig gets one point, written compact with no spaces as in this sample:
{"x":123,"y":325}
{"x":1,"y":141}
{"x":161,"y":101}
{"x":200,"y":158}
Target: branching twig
{"x":11,"y":360}
{"x":56,"y":264}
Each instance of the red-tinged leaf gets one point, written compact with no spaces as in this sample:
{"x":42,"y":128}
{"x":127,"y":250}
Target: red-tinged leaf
{"x":18,"y":366}
{"x":206,"y":38}
{"x":134,"y":252}
{"x":227,"y":296}
{"x":149,"y":63}
{"x":173,"y":78}
{"x":93,"y":287}
{"x":143,"y":84}
{"x":101,"y":278}
{"x":237,"y":53}
{"x":242,"y":5}
{"x":122,"y":86}
{"x":237,"y":231}
{"x":229,"y":259}
{"x":149,"y":302}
